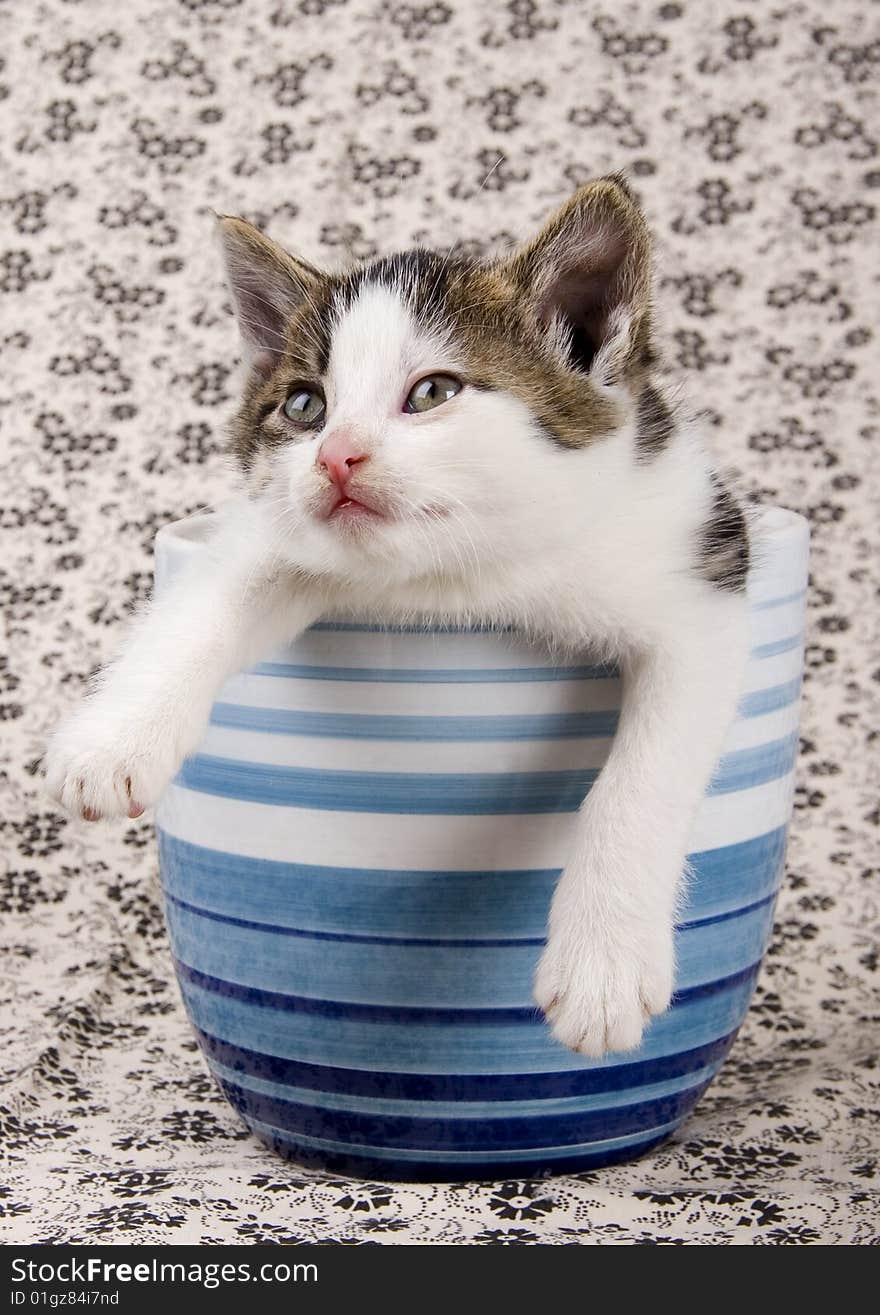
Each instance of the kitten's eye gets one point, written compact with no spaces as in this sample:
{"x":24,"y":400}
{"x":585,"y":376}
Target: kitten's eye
{"x":304,"y":406}
{"x":433,"y":390}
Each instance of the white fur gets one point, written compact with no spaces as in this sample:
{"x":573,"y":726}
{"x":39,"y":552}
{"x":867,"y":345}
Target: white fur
{"x":485,"y":519}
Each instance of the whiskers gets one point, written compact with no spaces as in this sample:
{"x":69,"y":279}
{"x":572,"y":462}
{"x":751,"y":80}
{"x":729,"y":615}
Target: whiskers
{"x":285,"y":518}
{"x":444,"y":523}
{"x":424,"y":531}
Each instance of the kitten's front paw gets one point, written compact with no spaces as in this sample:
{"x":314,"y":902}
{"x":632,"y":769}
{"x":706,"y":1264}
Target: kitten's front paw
{"x":598,"y":994}
{"x":101,"y":767}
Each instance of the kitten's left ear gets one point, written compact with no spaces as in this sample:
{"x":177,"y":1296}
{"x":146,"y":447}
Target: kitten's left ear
{"x":268,"y":286}
{"x":588,"y":270}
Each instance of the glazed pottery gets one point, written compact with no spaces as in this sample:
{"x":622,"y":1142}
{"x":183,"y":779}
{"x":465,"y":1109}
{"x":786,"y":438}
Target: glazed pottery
{"x":358,"y":864}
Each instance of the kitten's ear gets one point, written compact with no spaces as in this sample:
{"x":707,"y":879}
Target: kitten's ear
{"x":267,"y":284}
{"x":588,"y":270}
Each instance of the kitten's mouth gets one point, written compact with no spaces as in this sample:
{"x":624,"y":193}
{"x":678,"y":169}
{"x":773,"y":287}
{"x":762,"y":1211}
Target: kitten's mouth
{"x":343,"y":509}
{"x":347,"y":509}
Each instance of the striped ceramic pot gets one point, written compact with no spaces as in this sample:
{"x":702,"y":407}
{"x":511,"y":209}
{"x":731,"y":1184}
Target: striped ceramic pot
{"x":358,"y":864}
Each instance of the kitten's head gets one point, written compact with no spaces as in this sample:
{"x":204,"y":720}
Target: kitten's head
{"x":423,"y":413}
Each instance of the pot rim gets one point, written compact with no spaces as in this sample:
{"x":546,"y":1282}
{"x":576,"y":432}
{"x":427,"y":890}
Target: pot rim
{"x":779,"y":541}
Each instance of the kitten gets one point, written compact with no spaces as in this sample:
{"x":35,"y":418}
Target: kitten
{"x":430,"y":435}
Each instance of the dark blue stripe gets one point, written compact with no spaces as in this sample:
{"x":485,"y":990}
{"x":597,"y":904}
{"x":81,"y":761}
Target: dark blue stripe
{"x":728,"y":915}
{"x":590,"y":1080}
{"x":434,"y":675}
{"x":301,"y":1004}
{"x":447,"y":793}
{"x":274,"y":929}
{"x":474,"y":1169}
{"x":703,"y":989}
{"x":452,"y":942}
{"x":427,"y":1133}
{"x":362,"y":726}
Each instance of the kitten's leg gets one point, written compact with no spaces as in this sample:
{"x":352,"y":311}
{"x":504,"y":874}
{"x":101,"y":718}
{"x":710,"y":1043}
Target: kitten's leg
{"x":148,"y":709}
{"x":609,"y":963}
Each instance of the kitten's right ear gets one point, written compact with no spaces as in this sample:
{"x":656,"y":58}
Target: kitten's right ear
{"x":268,"y":286}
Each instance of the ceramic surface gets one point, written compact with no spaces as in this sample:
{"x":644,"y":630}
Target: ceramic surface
{"x":358,"y":864}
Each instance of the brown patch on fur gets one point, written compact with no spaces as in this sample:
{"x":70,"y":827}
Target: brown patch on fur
{"x":724,"y":542}
{"x":583,"y":275}
{"x":505,"y":347}
{"x":256,"y":423}
{"x":302,"y":359}
{"x":281,"y":302}
{"x":655,"y":423}
{"x":530,"y":324}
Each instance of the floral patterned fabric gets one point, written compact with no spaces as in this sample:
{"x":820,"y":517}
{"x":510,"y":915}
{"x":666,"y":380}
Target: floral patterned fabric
{"x":346,"y":127}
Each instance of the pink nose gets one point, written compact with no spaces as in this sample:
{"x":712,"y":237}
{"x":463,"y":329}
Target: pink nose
{"x":338,"y":455}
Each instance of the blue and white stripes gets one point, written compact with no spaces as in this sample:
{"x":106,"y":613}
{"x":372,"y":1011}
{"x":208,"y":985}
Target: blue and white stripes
{"x":358,"y":864}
